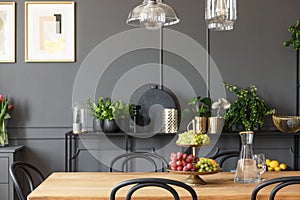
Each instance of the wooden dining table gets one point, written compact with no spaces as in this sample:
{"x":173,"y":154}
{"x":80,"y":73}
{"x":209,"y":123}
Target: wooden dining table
{"x":98,"y":185}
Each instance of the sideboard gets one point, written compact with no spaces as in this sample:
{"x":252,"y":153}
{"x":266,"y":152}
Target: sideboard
{"x":8,"y":155}
{"x":126,"y":142}
{"x":276,"y":145}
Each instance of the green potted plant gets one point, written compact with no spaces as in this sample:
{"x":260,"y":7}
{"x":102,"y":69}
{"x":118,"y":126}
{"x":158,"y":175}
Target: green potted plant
{"x":103,"y":112}
{"x":216,"y":123}
{"x":248,"y":109}
{"x":122,"y":113}
{"x":201,"y":111}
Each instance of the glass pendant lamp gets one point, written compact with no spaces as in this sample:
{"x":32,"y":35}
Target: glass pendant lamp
{"x":152,"y":14}
{"x":220,"y":15}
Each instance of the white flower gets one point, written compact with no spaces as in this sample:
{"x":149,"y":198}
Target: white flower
{"x":221,"y":103}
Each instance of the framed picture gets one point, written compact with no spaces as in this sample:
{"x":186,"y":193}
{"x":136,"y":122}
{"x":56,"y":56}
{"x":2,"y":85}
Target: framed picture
{"x":7,"y":31}
{"x":49,"y":31}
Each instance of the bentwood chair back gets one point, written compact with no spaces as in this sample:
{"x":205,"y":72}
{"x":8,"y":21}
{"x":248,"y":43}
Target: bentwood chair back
{"x":225,"y":157}
{"x":154,"y":159}
{"x":25,"y":175}
{"x":281,"y":183}
{"x":156,"y":182}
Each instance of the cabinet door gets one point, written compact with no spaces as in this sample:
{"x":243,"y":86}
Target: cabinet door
{"x":3,"y":170}
{"x":3,"y":191}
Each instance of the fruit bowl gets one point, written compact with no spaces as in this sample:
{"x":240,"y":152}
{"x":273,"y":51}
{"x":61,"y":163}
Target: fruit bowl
{"x":193,"y":173}
{"x":287,"y":124}
{"x":194,"y":178}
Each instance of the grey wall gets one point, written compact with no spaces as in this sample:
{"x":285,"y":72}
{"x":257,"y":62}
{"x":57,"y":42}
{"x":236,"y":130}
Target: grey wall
{"x":252,"y":53}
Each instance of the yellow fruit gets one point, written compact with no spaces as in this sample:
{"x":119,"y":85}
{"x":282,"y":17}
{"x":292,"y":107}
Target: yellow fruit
{"x":270,"y":169}
{"x":282,"y":166}
{"x":212,"y":161}
{"x":277,"y":169}
{"x":274,"y":163}
{"x":268,"y":162}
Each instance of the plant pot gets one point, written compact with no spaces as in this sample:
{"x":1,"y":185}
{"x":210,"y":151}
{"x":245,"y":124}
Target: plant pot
{"x":97,"y":125}
{"x":200,"y":124}
{"x":109,"y":126}
{"x":215,"y":124}
{"x":77,"y":128}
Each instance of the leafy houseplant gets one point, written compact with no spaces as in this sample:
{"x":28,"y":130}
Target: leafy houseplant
{"x":102,"y":109}
{"x":248,"y":109}
{"x":5,"y":107}
{"x":202,"y":106}
{"x":121,"y":111}
{"x":107,"y":112}
{"x":295,"y":38}
{"x":201,"y":112}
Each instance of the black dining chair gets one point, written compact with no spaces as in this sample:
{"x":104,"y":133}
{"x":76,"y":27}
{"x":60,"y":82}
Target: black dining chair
{"x":281,"y":183}
{"x":156,"y":182}
{"x":152,"y":158}
{"x":225,"y":156}
{"x":25,"y":177}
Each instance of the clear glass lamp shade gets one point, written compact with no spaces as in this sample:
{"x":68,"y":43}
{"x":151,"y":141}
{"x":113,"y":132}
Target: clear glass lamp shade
{"x":220,"y":15}
{"x":152,"y":14}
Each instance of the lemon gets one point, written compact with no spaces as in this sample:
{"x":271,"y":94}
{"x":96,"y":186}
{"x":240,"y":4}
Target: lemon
{"x":282,"y":166}
{"x":274,"y":163}
{"x":268,"y":162}
{"x":277,"y":169}
{"x":212,"y":161}
{"x":270,"y":169}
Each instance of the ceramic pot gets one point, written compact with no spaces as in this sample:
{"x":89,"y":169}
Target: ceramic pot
{"x":109,"y":126}
{"x":97,"y":125}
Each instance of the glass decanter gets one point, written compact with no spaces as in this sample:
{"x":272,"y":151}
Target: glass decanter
{"x":246,"y":170}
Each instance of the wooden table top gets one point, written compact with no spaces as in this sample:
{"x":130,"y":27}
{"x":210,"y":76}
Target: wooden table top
{"x":97,"y":185}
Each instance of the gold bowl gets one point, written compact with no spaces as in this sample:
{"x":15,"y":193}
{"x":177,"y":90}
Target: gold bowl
{"x":287,"y":124}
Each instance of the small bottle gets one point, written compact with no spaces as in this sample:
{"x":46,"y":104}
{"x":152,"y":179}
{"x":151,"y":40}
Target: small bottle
{"x":136,"y":118}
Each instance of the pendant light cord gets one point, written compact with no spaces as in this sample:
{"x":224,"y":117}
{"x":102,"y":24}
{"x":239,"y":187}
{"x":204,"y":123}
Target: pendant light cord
{"x":161,"y":59}
{"x":296,"y":137}
{"x":208,"y":61}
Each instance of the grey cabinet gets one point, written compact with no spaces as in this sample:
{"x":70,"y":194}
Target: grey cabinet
{"x":8,"y":155}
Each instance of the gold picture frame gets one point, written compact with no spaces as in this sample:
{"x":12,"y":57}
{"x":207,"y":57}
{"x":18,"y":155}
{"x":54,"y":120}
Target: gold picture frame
{"x":49,"y":31}
{"x":7,"y":32}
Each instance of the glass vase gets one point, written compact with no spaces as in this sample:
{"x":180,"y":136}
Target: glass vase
{"x":3,"y":133}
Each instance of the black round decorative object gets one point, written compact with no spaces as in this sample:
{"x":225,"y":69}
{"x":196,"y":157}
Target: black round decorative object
{"x":109,"y":126}
{"x":156,"y":96}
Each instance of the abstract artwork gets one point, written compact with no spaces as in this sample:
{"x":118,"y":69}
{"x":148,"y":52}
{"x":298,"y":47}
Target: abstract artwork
{"x":49,"y":31}
{"x":7,"y":32}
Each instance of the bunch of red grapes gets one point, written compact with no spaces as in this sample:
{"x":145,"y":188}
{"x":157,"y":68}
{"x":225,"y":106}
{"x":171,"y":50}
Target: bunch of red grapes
{"x":183,"y":162}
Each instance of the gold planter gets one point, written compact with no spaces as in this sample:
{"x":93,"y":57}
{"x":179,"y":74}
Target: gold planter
{"x":200,"y":124}
{"x":215,"y":124}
